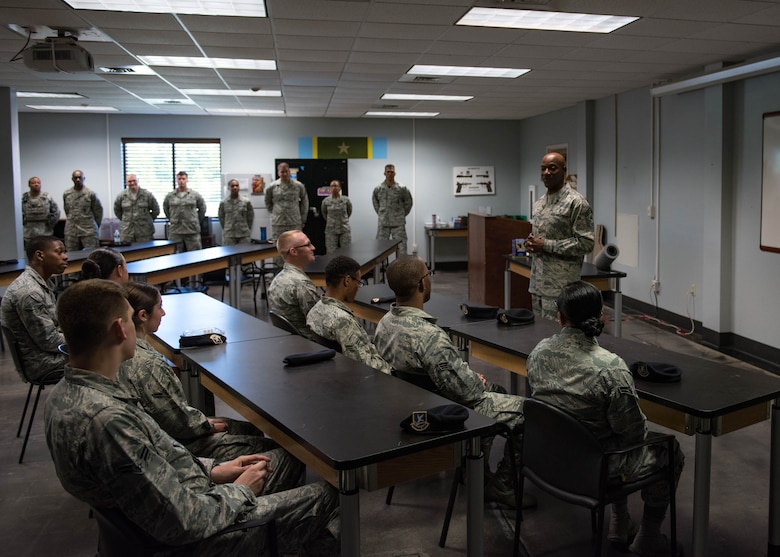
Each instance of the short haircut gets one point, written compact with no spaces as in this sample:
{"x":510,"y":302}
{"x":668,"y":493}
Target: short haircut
{"x":39,"y":243}
{"x":581,"y":305}
{"x":389,"y":166}
{"x":285,"y":241}
{"x":233,"y":180}
{"x":101,"y":263}
{"x":282,"y":164}
{"x":141,"y":296}
{"x":340,"y":267}
{"x":182,"y":173}
{"x":404,"y":274}
{"x":85,"y":311}
{"x":31,"y":179}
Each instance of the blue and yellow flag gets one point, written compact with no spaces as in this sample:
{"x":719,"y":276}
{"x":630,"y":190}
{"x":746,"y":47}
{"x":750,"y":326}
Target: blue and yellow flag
{"x":342,"y":147}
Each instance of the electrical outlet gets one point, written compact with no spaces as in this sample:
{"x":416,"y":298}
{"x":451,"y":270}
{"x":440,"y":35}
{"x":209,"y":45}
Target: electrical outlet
{"x":692,"y":291}
{"x":651,"y":211}
{"x":655,"y":286}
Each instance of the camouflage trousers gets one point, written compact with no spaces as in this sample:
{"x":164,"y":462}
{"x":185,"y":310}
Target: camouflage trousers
{"x":189,"y":242}
{"x":233,"y":240}
{"x":657,"y":494}
{"x":75,"y":242}
{"x":544,"y":307}
{"x":336,"y":240}
{"x":393,"y":233}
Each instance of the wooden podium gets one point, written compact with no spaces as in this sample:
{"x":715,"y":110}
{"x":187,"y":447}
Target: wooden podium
{"x":490,"y":239}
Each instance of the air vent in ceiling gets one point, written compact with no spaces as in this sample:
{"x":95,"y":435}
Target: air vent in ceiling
{"x":117,"y":69}
{"x":427,"y":79}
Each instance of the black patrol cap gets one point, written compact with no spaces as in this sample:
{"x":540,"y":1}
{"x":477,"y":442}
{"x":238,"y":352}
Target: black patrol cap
{"x":515,"y":317}
{"x":657,"y":372}
{"x":439,"y":419}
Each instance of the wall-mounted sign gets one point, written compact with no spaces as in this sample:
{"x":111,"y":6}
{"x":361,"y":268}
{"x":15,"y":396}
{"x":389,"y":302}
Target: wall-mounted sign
{"x":474,"y":180}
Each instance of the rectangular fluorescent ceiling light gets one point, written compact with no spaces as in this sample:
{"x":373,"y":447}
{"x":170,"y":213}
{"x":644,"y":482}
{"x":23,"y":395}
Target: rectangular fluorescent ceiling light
{"x":170,"y":101}
{"x":231,"y":93}
{"x":467,"y":71}
{"x":34,"y":95}
{"x":403,"y":114}
{"x":543,"y":20}
{"x":211,"y":63}
{"x":244,"y":111}
{"x":403,"y":97}
{"x":139,"y":69}
{"x":73,"y":108}
{"x":243,"y":8}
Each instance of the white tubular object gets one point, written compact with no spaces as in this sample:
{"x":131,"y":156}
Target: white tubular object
{"x":603,"y":261}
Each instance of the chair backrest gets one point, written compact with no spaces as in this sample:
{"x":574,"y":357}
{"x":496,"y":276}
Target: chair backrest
{"x":326,"y":342}
{"x":560,"y":450}
{"x":16,"y":353}
{"x":282,"y":322}
{"x":121,"y":537}
{"x":416,"y":377}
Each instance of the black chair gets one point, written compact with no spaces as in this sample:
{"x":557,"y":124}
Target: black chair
{"x":424,"y":381}
{"x":282,"y":322}
{"x":221,"y":278}
{"x":565,"y":459}
{"x":118,"y":536}
{"x":326,"y":342}
{"x":50,"y":378}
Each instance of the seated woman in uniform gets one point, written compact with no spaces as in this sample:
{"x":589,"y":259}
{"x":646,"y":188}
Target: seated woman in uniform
{"x":150,"y":377}
{"x":105,"y":263}
{"x":571,"y":371}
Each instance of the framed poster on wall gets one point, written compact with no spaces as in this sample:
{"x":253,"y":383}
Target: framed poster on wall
{"x":474,"y":180}
{"x":770,"y":184}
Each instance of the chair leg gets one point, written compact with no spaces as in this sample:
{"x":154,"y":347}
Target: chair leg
{"x":599,"y":531}
{"x":389,"y":498}
{"x":445,"y":528}
{"x":30,"y":423}
{"x":24,"y":412}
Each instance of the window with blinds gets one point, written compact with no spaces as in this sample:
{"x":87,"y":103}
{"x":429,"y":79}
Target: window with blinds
{"x":156,"y":162}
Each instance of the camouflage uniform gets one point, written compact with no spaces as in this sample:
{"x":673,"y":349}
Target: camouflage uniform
{"x":334,"y":320}
{"x":236,"y":217}
{"x":336,"y":212}
{"x":409,"y":339}
{"x":565,"y":221}
{"x":573,"y":372}
{"x":137,"y":213}
{"x":109,"y":453}
{"x":185,"y":212}
{"x":84,"y":213}
{"x":152,"y":381}
{"x":39,"y":215}
{"x":288,"y":205}
{"x":29,"y":310}
{"x":293,"y":294}
{"x":392,"y":204}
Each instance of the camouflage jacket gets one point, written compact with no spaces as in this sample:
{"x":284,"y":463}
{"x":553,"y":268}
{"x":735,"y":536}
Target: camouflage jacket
{"x":574,"y":373}
{"x":287,"y":203}
{"x":29,"y":309}
{"x":184,"y":212}
{"x":565,"y":221}
{"x":109,"y":453}
{"x":334,"y":320}
{"x":83,"y":211}
{"x":236,"y":217}
{"x":392,"y":204}
{"x":39,"y":215}
{"x":137,"y":214}
{"x":337,"y":212}
{"x":409,"y":339}
{"x":293,"y":294}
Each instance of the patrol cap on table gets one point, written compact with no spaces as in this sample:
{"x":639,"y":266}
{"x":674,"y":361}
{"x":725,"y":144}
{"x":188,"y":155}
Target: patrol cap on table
{"x":439,"y":419}
{"x":657,"y":372}
{"x":473,"y":311}
{"x":515,"y":317}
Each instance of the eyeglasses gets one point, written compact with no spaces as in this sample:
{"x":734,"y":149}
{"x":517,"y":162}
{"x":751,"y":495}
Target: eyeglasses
{"x":306,"y":245}
{"x":361,"y":282}
{"x":430,"y":273}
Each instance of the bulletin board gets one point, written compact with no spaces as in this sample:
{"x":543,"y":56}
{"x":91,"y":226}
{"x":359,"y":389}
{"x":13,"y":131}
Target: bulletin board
{"x":770,"y":184}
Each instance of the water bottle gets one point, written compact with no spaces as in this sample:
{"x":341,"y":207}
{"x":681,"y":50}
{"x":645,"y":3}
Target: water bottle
{"x":116,"y":236}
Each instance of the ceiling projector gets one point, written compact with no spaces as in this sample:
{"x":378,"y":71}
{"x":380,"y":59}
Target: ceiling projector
{"x":58,"y":54}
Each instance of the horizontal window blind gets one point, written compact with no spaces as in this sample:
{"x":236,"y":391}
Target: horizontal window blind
{"x":156,"y":162}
